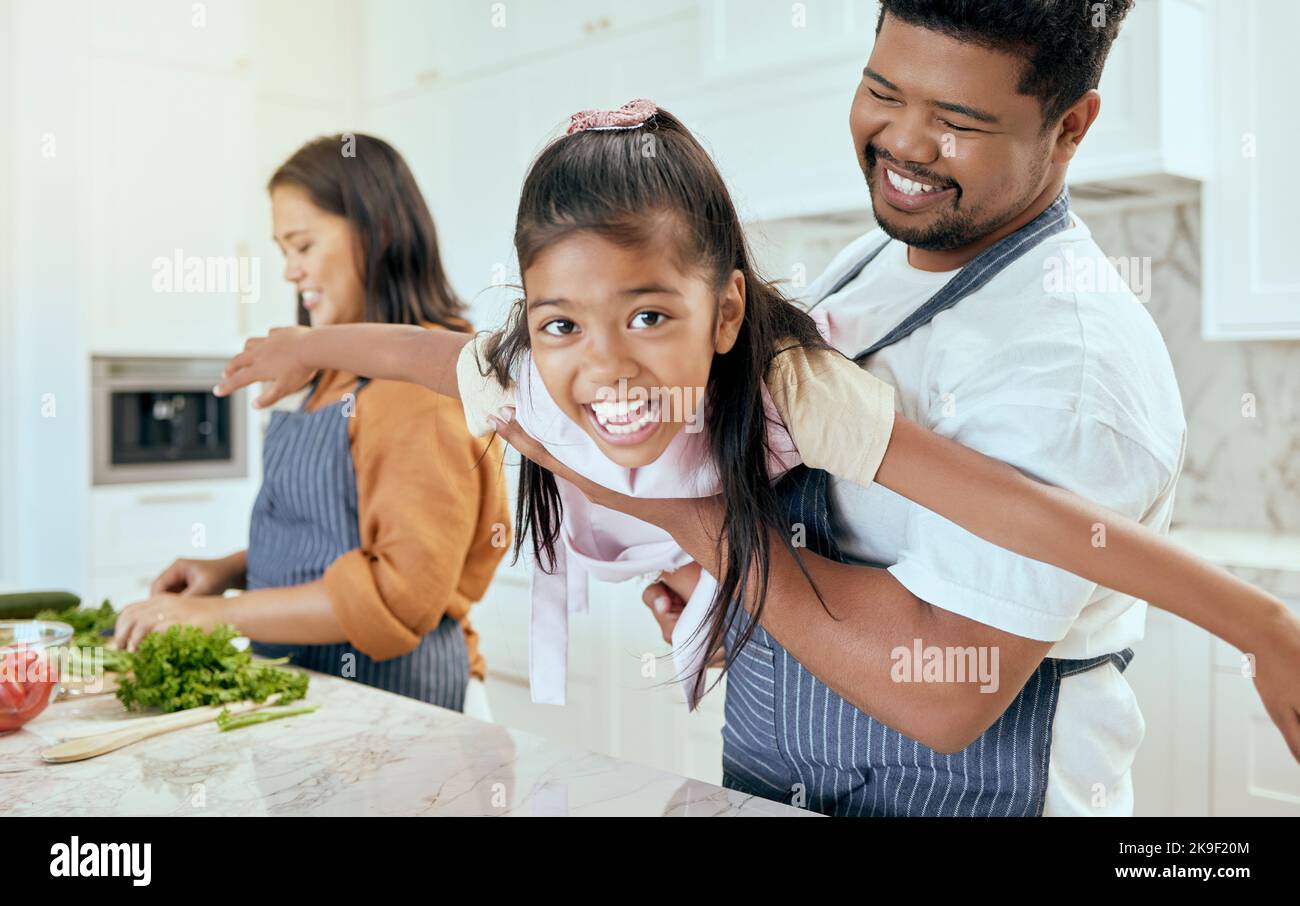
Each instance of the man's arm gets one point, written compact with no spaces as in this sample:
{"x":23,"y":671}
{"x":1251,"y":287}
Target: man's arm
{"x":870,"y":614}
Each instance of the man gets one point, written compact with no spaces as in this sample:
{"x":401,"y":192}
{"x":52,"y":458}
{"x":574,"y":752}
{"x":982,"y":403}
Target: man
{"x":956,"y":678}
{"x":964,"y":124}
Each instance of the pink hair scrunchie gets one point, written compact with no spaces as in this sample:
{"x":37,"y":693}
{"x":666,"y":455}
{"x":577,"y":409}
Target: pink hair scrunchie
{"x":629,"y":116}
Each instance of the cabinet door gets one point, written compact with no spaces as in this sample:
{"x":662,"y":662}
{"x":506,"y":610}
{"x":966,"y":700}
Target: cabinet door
{"x":210,"y":34}
{"x":305,"y":50}
{"x":135,"y":525}
{"x":1254,"y":771}
{"x":1252,"y":290}
{"x":748,"y":38}
{"x":413,"y":43}
{"x":169,"y":187}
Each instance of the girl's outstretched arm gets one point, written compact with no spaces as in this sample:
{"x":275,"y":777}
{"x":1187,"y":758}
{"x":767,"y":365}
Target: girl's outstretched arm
{"x":288,"y":356}
{"x":1002,"y":505}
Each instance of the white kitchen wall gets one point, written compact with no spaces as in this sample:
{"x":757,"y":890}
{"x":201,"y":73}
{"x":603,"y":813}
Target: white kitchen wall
{"x":8,"y":417}
{"x":136,"y":128}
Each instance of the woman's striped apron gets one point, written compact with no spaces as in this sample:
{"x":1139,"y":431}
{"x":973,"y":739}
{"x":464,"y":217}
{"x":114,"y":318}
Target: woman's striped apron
{"x":304,"y":519}
{"x":788,"y":737}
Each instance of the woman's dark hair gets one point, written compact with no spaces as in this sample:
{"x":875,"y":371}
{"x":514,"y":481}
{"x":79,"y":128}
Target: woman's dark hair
{"x":364,"y":179}
{"x":637,"y":188}
{"x":1064,"y":42}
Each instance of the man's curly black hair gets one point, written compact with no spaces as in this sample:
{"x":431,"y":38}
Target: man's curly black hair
{"x":1064,"y":42}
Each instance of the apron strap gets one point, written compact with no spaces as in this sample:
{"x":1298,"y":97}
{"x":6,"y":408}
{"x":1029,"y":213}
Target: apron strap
{"x":977,"y":272}
{"x":315,"y":385}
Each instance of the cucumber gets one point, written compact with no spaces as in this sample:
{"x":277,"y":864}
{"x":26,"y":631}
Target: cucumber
{"x":27,"y":604}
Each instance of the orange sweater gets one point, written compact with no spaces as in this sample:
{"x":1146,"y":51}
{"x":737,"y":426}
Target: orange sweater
{"x":433,"y":514}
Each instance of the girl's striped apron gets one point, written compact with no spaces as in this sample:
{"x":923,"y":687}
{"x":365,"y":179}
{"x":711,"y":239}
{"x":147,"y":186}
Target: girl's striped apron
{"x":304,"y":519}
{"x":788,"y":737}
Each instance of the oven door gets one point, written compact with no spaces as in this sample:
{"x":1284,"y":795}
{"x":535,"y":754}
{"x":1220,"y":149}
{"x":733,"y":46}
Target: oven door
{"x":157,"y":420}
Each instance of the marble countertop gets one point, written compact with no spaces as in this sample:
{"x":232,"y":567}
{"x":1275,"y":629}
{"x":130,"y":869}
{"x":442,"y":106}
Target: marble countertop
{"x":365,"y":752}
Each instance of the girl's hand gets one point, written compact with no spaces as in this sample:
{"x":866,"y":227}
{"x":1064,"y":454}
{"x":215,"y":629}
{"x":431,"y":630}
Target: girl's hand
{"x":1277,"y":679}
{"x":274,"y":359}
{"x":157,"y":613}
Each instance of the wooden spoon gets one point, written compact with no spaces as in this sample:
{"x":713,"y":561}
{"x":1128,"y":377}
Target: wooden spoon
{"x":112,"y":740}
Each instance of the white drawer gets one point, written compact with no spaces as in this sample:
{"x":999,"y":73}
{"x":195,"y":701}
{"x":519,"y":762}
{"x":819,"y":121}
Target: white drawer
{"x":158,"y":523}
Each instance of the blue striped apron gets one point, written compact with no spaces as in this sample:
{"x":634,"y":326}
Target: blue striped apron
{"x":304,"y":519}
{"x":789,"y":737}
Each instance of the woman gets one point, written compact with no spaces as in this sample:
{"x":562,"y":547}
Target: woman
{"x":380,"y":519}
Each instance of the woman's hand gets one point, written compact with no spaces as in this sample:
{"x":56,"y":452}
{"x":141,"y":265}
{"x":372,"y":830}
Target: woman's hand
{"x":274,"y":359}
{"x":199,"y":577}
{"x":1277,"y":679}
{"x":160,"y":611}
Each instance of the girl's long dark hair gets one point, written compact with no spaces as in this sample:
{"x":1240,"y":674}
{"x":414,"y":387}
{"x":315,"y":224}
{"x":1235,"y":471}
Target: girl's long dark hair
{"x":633,"y":187}
{"x":364,"y":179}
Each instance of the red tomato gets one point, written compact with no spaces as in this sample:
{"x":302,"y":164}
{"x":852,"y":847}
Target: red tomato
{"x":26,"y":682}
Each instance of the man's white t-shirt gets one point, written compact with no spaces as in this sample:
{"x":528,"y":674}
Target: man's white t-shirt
{"x":1055,"y":367}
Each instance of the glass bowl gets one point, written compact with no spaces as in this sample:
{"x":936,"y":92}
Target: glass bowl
{"x":30,"y":655}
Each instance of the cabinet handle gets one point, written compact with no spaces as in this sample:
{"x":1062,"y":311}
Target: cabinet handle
{"x":243,"y":253}
{"x":151,"y":499}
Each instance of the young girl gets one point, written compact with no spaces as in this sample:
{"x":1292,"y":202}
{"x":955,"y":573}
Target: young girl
{"x":649,"y":357}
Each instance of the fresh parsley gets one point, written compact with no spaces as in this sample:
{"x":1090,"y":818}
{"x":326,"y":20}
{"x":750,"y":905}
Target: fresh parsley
{"x":186,"y":667}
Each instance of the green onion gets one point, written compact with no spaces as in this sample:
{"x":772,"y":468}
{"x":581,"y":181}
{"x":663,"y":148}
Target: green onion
{"x":227,"y":721}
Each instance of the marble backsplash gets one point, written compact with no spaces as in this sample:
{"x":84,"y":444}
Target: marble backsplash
{"x":1242,"y":470}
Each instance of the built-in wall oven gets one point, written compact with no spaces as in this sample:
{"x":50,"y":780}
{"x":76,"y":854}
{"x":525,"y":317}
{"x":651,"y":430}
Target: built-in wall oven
{"x":156,"y":419}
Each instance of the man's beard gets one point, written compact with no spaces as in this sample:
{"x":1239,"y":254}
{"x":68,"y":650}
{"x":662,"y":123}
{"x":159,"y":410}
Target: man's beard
{"x":953,"y":228}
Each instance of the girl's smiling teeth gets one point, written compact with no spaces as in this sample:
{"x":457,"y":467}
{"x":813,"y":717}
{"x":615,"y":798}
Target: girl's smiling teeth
{"x":624,"y":421}
{"x":310,"y":298}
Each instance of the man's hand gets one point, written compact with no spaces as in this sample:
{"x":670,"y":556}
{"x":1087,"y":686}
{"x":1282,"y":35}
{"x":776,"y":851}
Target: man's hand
{"x":665,"y":605}
{"x":667,"y":599}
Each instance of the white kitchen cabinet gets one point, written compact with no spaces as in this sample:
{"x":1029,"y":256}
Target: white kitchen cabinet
{"x":1155,"y":116}
{"x":744,"y":39}
{"x":305,"y":51}
{"x":1255,"y":773}
{"x":209,"y":34}
{"x":1210,"y":747}
{"x":409,"y":44}
{"x":139,"y":525}
{"x":1251,"y":286}
{"x":772,"y":99}
{"x":169,"y":182}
